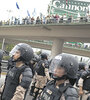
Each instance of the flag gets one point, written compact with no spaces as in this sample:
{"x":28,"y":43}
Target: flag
{"x":34,"y":12}
{"x":28,"y":13}
{"x":17,"y":5}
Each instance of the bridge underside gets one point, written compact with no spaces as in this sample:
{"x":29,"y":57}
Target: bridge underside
{"x":56,"y":33}
{"x":49,"y":47}
{"x":76,"y":33}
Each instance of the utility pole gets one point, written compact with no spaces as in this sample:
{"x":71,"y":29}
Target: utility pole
{"x":3,"y":43}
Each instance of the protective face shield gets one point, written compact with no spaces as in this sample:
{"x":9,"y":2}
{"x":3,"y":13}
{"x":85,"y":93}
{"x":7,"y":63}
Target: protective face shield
{"x":66,"y":62}
{"x":14,"y":50}
{"x":59,"y":73}
{"x":26,"y":52}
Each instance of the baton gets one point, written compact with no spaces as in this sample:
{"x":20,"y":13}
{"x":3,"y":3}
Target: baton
{"x":81,"y":97}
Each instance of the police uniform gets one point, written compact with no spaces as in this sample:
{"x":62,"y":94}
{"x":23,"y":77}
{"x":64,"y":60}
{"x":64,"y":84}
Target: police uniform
{"x":14,"y":84}
{"x":61,"y":92}
{"x":63,"y":70}
{"x":19,"y":77}
{"x":41,"y":77}
{"x":84,"y":83}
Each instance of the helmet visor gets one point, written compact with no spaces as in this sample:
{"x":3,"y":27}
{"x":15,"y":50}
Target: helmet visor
{"x":14,"y":50}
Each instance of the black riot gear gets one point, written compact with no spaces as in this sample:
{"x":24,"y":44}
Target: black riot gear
{"x":52,"y":92}
{"x":36,"y":58}
{"x":63,"y":69}
{"x":80,"y":71}
{"x":12,"y":82}
{"x":82,"y":66}
{"x":19,"y":77}
{"x":86,"y":77}
{"x":25,"y":51}
{"x":66,"y":61}
{"x":43,"y":56}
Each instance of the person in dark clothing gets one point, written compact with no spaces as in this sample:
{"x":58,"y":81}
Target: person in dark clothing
{"x":80,"y":71}
{"x":33,"y":62}
{"x":84,"y":85}
{"x":63,"y":70}
{"x":41,"y":76}
{"x":19,"y":77}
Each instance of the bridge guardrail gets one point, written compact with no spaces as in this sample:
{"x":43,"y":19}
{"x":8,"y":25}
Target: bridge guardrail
{"x":4,"y":65}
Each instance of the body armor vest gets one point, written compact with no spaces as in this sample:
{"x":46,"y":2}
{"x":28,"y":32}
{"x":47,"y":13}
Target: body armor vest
{"x":51,"y":92}
{"x":11,"y":82}
{"x":86,"y":84}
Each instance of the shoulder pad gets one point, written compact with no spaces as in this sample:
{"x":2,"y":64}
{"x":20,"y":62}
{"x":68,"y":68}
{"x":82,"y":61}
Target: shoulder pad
{"x":27,"y":72}
{"x":26,"y":78}
{"x":72,"y":92}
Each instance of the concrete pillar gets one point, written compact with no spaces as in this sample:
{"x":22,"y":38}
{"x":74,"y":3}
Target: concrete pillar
{"x":57,"y":47}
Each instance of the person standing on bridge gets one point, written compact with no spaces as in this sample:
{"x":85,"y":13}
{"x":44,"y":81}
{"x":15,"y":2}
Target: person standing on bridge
{"x":1,"y":56}
{"x":19,"y":77}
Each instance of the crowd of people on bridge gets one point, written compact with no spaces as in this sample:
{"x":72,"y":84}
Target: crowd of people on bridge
{"x":62,"y":77}
{"x":49,"y":19}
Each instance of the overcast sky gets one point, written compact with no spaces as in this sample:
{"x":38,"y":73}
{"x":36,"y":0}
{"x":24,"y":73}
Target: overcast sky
{"x":24,"y":5}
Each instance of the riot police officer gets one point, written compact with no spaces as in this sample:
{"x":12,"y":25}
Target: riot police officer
{"x":19,"y":77}
{"x":84,"y":85}
{"x":63,"y":70}
{"x":80,"y":71}
{"x":33,"y":62}
{"x":41,"y":76}
{"x":1,"y":56}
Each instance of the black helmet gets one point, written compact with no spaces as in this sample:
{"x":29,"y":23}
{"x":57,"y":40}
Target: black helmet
{"x":1,"y":55}
{"x":25,"y":50}
{"x":43,"y":55}
{"x":82,"y":66}
{"x":68,"y":62}
{"x":36,"y":58}
{"x":88,"y":66}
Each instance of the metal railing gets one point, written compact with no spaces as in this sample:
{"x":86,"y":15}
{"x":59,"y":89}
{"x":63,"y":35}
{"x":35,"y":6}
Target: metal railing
{"x":28,"y":21}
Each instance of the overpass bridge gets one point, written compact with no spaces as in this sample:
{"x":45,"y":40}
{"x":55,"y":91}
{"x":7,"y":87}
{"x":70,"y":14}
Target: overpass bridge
{"x":58,"y":33}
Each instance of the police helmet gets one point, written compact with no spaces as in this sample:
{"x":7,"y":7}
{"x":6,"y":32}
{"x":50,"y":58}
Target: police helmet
{"x":66,"y":61}
{"x":1,"y":55}
{"x":43,"y":55}
{"x":88,"y":66}
{"x":26,"y":52}
{"x":36,"y":58}
{"x":82,"y":66}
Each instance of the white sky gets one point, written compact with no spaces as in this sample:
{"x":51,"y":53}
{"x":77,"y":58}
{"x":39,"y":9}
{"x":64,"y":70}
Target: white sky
{"x":39,"y":5}
{"x":24,"y":5}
